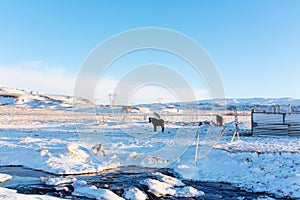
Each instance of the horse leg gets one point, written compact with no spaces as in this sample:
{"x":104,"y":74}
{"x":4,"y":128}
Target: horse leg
{"x":162,"y":128}
{"x":155,"y":128}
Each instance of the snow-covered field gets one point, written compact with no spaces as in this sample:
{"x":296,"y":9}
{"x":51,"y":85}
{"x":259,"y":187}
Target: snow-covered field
{"x":43,"y":132}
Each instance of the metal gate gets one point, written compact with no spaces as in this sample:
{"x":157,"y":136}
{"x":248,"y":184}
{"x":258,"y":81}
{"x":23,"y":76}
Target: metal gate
{"x":270,"y":123}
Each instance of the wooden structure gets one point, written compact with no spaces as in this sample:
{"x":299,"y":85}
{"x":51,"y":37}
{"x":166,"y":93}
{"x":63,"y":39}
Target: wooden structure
{"x":220,"y":121}
{"x":275,"y":123}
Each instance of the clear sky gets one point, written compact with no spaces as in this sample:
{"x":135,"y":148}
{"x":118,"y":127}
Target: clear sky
{"x":255,"y":44}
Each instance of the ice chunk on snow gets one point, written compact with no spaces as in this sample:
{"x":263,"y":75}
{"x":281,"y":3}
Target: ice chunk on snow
{"x":188,"y":192}
{"x":133,"y":154}
{"x":59,"y":181}
{"x":134,"y":194}
{"x":78,"y":152}
{"x":168,"y":179}
{"x":82,"y":189}
{"x":158,"y":188}
{"x":5,"y":177}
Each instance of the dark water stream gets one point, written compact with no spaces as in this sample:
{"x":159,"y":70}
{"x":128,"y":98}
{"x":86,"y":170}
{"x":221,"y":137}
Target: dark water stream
{"x":28,"y":181}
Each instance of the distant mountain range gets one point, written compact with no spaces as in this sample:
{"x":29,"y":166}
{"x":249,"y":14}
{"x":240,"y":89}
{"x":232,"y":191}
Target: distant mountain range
{"x":16,"y":97}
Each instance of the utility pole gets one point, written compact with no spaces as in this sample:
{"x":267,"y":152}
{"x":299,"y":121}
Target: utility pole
{"x":236,"y":132}
{"x":112,"y":98}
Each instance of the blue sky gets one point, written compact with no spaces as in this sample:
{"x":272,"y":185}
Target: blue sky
{"x":254,"y":44}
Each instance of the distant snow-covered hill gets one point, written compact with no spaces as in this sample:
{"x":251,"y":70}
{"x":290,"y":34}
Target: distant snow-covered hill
{"x":16,"y":97}
{"x":246,"y":104}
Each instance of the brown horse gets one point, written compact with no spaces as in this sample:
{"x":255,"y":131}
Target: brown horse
{"x":157,"y":122}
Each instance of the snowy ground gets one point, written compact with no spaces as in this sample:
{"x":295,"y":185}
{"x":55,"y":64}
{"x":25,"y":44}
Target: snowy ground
{"x":9,"y":194}
{"x":63,"y":142}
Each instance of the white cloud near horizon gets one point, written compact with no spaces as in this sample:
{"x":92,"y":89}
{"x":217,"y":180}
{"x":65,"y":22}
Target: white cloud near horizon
{"x":42,"y":77}
{"x":145,"y":94}
{"x":37,"y":76}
